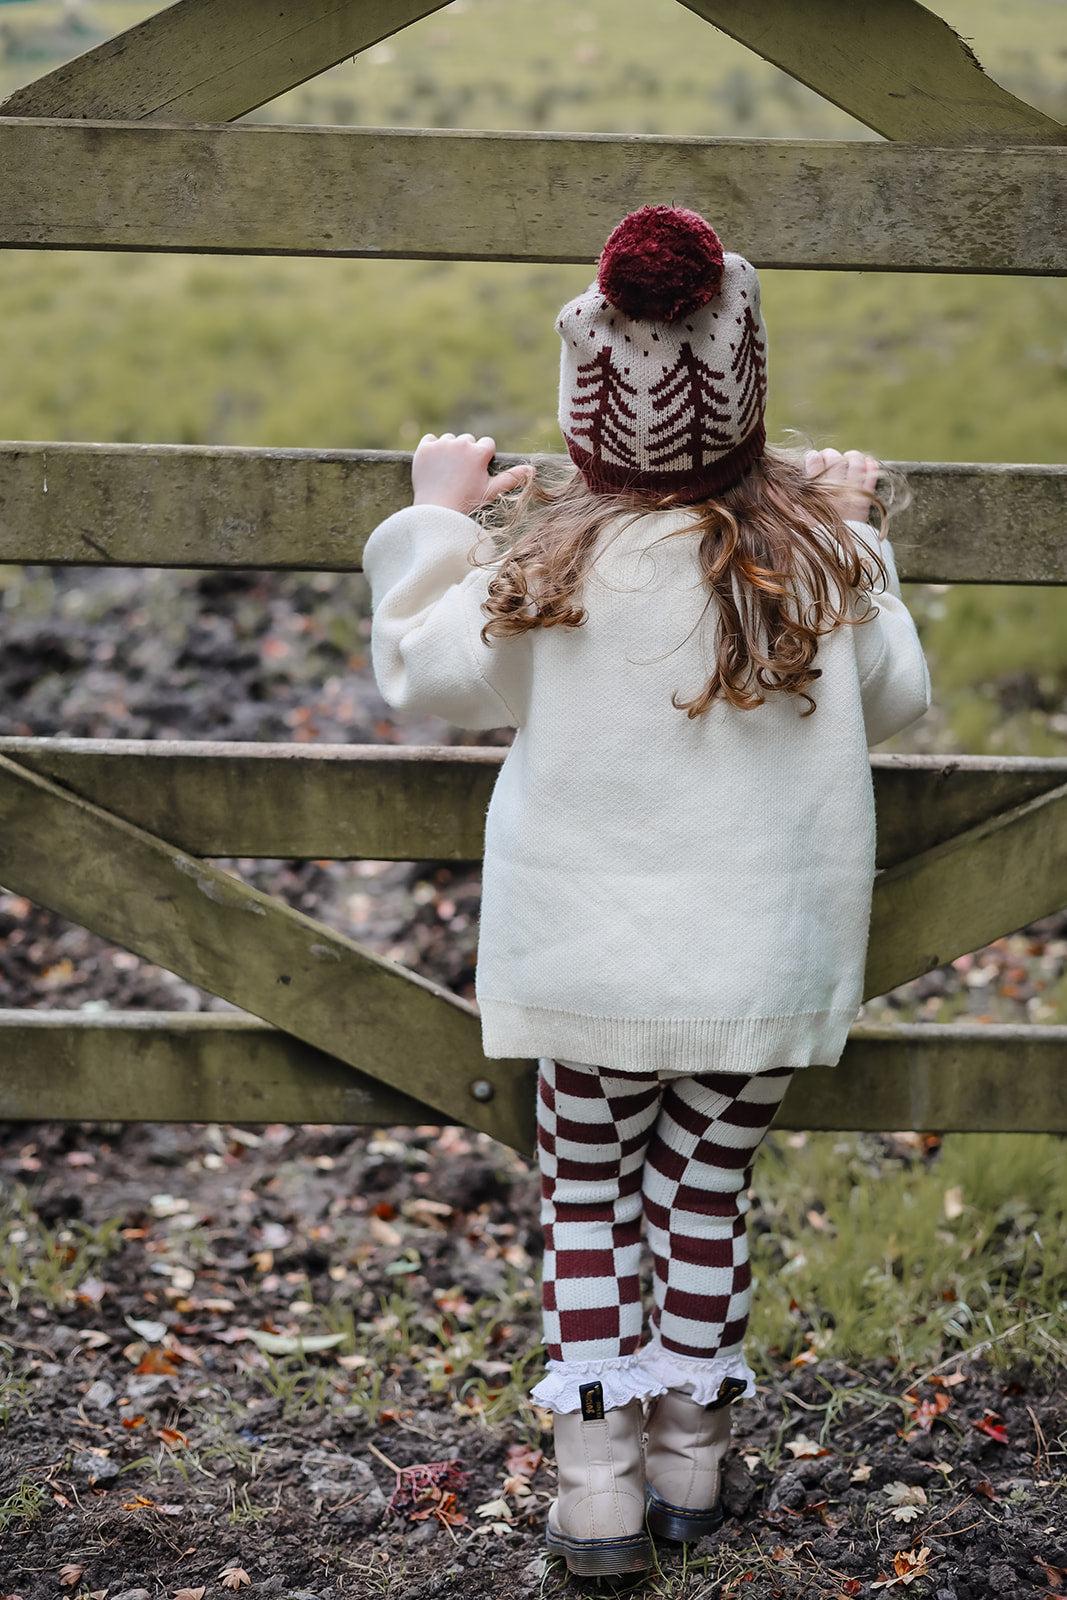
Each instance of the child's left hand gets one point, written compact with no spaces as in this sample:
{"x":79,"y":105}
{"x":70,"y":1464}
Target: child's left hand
{"x":454,"y":472}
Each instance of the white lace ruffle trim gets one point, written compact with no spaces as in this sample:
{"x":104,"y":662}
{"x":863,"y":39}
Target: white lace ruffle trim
{"x":650,"y":1372}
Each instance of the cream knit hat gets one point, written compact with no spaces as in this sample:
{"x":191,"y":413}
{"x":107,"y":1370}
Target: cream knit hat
{"x":663,"y":379}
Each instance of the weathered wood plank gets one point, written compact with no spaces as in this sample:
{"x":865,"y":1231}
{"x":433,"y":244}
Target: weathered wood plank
{"x":996,"y":877}
{"x":212,"y":60}
{"x":224,"y":506}
{"x":196,"y":1067}
{"x":196,"y":920}
{"x":893,"y":65}
{"x":183,"y":1067}
{"x":405,"y":803}
{"x":496,"y":196}
{"x":337,"y":802}
{"x":922,"y":801}
{"x":966,"y":1079}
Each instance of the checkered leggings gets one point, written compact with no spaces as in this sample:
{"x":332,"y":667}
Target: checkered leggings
{"x":614,"y":1144}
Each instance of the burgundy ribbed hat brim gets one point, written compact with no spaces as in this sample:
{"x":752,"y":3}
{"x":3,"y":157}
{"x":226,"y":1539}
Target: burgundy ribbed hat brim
{"x":604,"y":477}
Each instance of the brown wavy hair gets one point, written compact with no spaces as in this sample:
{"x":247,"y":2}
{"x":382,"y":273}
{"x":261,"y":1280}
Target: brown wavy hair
{"x":781,"y":567}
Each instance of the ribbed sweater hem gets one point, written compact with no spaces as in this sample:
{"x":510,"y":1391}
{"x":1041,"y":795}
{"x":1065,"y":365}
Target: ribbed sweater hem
{"x":678,"y":1045}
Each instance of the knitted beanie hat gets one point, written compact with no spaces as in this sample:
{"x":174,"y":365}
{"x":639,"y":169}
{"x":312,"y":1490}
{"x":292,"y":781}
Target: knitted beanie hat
{"x":663,"y":379}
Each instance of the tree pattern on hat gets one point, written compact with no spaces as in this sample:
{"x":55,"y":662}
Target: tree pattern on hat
{"x":600,"y":412}
{"x":749,"y":369}
{"x":690,"y":407}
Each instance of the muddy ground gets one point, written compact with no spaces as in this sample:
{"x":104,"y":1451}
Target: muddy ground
{"x":172,"y":1419}
{"x":156,"y":1446}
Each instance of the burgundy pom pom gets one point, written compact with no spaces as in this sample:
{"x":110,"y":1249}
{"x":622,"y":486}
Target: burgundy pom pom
{"x":660,"y":264}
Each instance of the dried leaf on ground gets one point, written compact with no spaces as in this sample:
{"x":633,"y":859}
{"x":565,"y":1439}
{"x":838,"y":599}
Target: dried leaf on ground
{"x":802,"y":1447}
{"x":69,"y":1574}
{"x":993,"y":1428}
{"x":292,"y":1344}
{"x":234,"y":1578}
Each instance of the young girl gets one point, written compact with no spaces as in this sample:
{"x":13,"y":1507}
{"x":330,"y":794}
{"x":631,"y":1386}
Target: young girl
{"x":696,"y":639}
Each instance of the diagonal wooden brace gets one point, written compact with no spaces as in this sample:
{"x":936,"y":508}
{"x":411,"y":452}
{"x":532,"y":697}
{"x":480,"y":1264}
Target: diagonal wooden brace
{"x":212,"y":60}
{"x":985,"y":883}
{"x":194,"y":919}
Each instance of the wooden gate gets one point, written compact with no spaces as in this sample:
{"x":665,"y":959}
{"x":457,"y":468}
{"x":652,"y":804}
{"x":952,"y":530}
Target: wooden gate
{"x":128,"y":148}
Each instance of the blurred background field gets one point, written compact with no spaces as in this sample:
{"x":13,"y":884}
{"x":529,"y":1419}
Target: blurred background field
{"x":291,"y":352}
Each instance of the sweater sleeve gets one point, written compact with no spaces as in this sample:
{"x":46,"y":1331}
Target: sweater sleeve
{"x":894,"y":682}
{"x":426,"y":638}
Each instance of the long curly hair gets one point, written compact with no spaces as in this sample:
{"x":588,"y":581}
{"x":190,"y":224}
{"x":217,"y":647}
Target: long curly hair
{"x":781,"y":568}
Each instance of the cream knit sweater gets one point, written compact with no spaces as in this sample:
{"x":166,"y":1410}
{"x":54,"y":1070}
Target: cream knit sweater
{"x":659,"y":892}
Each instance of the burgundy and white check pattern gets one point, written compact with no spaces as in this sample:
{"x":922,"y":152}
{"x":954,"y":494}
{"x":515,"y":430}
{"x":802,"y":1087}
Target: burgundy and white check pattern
{"x":614,"y":1146}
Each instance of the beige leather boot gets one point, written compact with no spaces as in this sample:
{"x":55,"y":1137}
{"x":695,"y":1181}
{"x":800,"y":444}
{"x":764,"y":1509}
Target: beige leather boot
{"x":685,"y":1449}
{"x":597,"y":1521}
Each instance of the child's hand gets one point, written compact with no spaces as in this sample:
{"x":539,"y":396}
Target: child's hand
{"x":853,"y":469}
{"x":454,"y":472}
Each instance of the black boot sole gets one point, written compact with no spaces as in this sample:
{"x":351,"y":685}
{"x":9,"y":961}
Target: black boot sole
{"x":602,"y":1558}
{"x":679,"y":1522}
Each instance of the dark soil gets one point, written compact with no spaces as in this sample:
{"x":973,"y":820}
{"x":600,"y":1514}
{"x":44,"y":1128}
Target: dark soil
{"x":152,"y":1445}
{"x":154,"y":1457}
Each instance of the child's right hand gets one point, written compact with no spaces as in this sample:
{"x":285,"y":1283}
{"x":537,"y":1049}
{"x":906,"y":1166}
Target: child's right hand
{"x":858,"y":473}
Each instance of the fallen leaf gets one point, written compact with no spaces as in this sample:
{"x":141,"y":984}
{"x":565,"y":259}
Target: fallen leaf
{"x":90,"y":1291}
{"x":383,"y":1232}
{"x":907,"y":1566}
{"x":138,"y":1503}
{"x":860,"y":1474}
{"x":992,"y":1426}
{"x":190,"y":1594}
{"x":152,"y":1332}
{"x":158,"y":1363}
{"x":61,"y":1500}
{"x":171,"y":1437}
{"x":69,"y":1574}
{"x":803,"y":1447}
{"x":853,"y":1586}
{"x":234,"y":1578}
{"x":950,"y":1379}
{"x":94,"y":1339}
{"x":520,"y":1458}
{"x":905,"y":1494}
{"x":984,"y":1487}
{"x":499,"y":1510}
{"x":1054,"y":1576}
{"x":133,"y":1422}
{"x":291,"y":1344}
{"x":923,"y":1416}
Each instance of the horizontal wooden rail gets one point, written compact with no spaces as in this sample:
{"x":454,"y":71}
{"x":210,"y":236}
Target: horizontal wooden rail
{"x":211,"y":1067}
{"x":404,"y":803}
{"x":224,"y":506}
{"x":954,"y":1078}
{"x":182,"y":1066}
{"x":537,"y":197}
